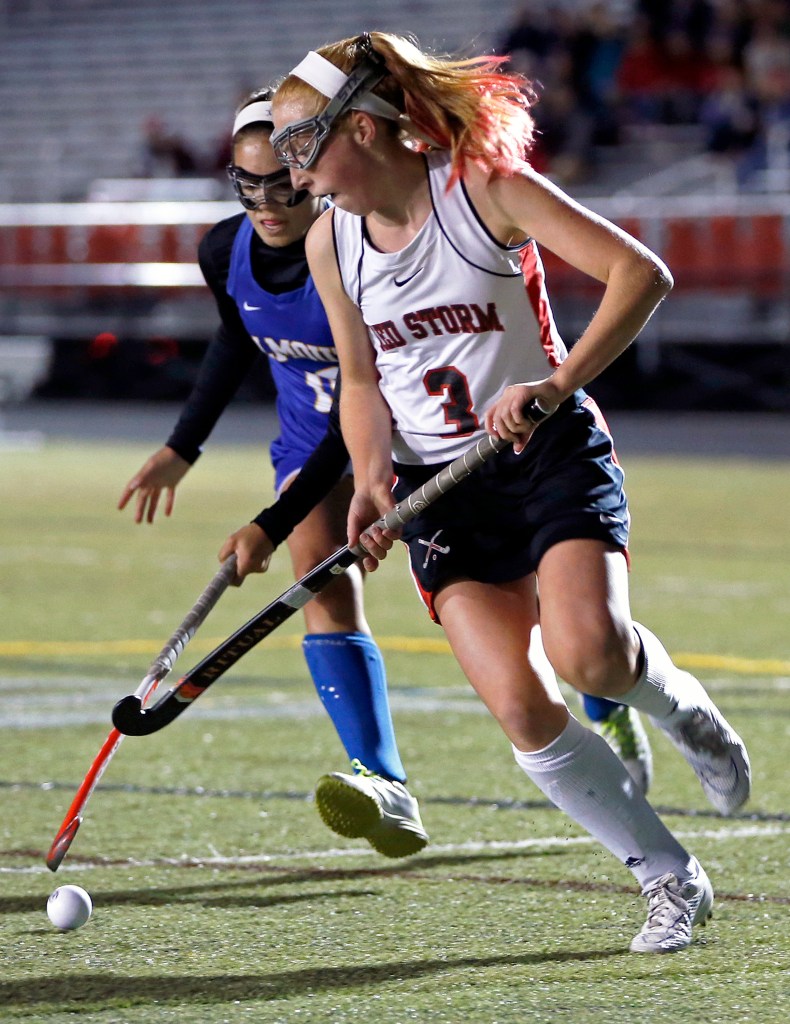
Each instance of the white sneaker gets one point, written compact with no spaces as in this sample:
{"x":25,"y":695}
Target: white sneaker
{"x":367,"y":805}
{"x":625,"y":734}
{"x":673,"y":908}
{"x":716,"y":753}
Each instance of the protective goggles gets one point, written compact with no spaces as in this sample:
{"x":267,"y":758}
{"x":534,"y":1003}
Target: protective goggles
{"x":254,"y":190}
{"x":298,"y":144}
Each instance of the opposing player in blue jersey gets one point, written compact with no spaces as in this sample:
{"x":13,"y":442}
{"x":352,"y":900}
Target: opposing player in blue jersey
{"x":255,"y":264}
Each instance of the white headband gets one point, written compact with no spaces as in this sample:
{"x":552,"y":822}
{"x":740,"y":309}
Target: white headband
{"x":252,"y":113}
{"x":328,"y":79}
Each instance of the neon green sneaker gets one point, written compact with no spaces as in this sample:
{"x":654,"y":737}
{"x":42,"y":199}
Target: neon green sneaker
{"x":625,"y":734}
{"x":366,"y":805}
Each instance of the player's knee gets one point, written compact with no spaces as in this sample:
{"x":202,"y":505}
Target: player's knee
{"x":337,"y":609}
{"x":528,"y":725}
{"x":600,"y":663}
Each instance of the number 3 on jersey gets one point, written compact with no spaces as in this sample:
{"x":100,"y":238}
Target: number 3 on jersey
{"x":449,"y":382}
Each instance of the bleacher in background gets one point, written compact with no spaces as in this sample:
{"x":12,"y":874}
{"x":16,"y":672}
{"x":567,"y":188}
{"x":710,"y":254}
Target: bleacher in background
{"x":734,"y":250}
{"x":79,"y":78}
{"x":99,"y":258}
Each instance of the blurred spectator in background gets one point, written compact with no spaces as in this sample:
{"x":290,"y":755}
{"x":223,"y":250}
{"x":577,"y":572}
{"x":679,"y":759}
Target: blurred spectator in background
{"x":165,"y":154}
{"x":534,"y":34}
{"x":687,"y":71}
{"x":596,"y":47}
{"x":572,"y":57}
{"x":641,"y":77}
{"x":766,"y":55}
{"x":564,"y":140}
{"x":730,"y":113}
{"x":692,"y":18}
{"x":602,"y":68}
{"x":766,"y":64}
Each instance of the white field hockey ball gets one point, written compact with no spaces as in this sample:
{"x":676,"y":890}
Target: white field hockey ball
{"x":69,"y":907}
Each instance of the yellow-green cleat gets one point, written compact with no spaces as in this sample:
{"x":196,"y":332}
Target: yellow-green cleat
{"x":625,"y":734}
{"x":366,"y":805}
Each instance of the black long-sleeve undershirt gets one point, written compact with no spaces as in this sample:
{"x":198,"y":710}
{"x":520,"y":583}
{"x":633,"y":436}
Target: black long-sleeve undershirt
{"x":315,"y":480}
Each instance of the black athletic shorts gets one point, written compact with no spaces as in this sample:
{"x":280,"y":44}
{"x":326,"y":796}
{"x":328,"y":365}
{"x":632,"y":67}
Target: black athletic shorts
{"x":496,"y":525}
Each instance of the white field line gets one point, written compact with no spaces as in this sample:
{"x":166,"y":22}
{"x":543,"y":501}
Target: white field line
{"x":26,"y":704}
{"x":88,"y":706}
{"x":724,"y":834}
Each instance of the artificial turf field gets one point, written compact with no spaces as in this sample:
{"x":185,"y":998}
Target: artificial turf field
{"x":219,"y":895}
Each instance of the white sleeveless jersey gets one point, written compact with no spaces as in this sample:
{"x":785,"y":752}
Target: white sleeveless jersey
{"x":454,"y":318}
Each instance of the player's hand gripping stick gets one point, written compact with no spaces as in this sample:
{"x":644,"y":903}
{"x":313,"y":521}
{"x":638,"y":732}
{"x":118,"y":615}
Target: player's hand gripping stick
{"x":131,"y":718}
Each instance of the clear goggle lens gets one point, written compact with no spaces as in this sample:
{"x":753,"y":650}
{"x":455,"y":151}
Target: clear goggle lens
{"x":298,"y":144}
{"x":254,"y":190}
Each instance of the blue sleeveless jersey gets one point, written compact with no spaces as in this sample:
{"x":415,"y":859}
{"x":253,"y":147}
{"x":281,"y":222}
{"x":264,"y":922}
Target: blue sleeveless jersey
{"x":293,"y":331}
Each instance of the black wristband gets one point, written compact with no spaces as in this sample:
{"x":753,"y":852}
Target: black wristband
{"x":273,"y":525}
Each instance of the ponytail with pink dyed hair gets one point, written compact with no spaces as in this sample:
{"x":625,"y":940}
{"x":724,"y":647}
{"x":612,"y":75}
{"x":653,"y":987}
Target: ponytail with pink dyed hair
{"x":469,"y":106}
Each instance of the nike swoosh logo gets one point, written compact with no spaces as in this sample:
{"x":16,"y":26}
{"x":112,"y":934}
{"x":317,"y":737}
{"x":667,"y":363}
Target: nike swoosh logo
{"x":717,"y":782}
{"x":250,"y":308}
{"x":400,"y":284}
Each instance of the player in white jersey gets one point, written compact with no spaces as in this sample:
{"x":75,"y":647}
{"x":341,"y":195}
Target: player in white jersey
{"x":422,"y":303}
{"x":549,"y":512}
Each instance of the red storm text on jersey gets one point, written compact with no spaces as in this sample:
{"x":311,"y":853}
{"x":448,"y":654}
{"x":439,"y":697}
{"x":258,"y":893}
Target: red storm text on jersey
{"x":454,"y":317}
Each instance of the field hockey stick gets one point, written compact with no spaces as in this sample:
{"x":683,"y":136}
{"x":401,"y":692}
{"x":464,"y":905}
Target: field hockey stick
{"x":160,"y":667}
{"x":131,"y":718}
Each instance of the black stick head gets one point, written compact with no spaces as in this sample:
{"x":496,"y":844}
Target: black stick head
{"x":128,"y":716}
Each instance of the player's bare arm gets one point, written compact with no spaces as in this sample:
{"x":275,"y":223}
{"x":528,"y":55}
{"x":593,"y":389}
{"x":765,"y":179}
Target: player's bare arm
{"x":361,"y":401}
{"x":635,"y":280}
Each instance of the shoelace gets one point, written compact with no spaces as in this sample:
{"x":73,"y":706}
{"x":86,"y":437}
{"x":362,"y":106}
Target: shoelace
{"x":360,"y":769}
{"x":665,"y":905}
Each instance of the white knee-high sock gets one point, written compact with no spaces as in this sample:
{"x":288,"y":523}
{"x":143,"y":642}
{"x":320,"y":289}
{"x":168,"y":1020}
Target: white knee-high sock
{"x":585,"y":779}
{"x":665,"y":692}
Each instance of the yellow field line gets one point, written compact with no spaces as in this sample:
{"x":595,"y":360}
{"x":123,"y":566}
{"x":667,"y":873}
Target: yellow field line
{"x":396,"y":644}
{"x":83,"y":648}
{"x":730,"y":663}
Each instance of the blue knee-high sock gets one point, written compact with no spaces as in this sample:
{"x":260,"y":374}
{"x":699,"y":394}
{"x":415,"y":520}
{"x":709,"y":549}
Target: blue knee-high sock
{"x":348,"y":673}
{"x":598,"y":709}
